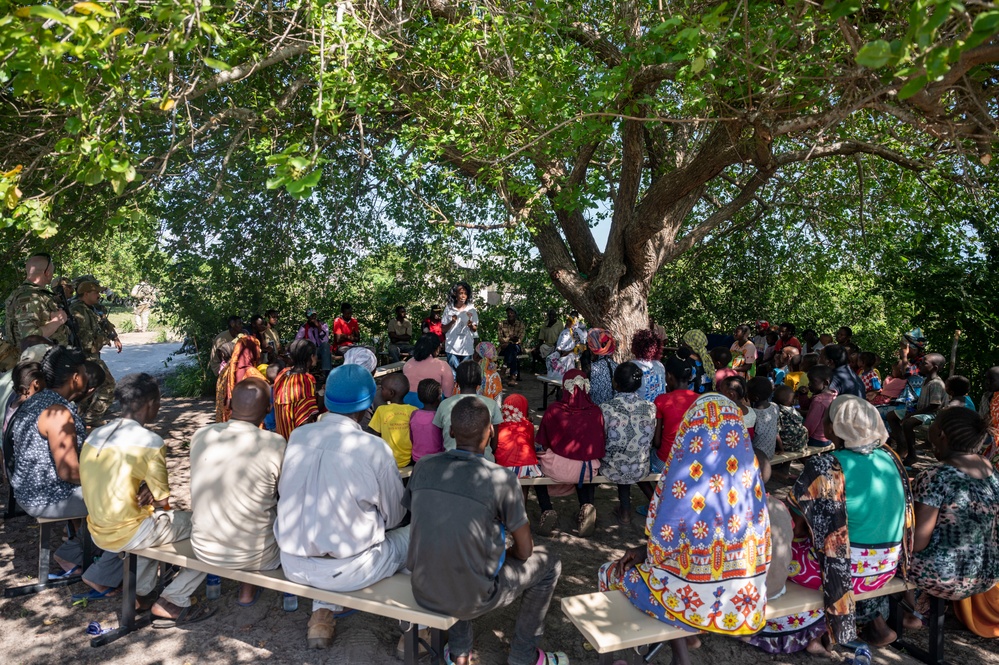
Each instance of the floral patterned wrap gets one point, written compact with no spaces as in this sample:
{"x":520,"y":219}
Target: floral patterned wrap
{"x":708,"y":528}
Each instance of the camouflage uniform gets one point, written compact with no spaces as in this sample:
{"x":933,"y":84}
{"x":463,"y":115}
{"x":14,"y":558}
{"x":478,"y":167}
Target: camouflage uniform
{"x":29,"y":308}
{"x":93,"y":338}
{"x":145,"y":295}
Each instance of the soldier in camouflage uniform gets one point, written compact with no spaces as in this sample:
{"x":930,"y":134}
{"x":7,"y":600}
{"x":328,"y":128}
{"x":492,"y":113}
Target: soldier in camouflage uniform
{"x":145,"y":297}
{"x":34,"y":310}
{"x":95,"y":333}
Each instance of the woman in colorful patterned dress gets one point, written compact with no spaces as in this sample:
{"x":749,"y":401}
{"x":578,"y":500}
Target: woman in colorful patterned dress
{"x":295,"y":389}
{"x":957,"y":524}
{"x":705,"y":565}
{"x":630,"y":425}
{"x":601,"y":346}
{"x":858,"y":494}
{"x":492,"y":384}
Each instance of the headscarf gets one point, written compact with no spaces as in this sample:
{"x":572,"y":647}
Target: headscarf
{"x":486,"y":351}
{"x":573,"y":426}
{"x":600,"y":342}
{"x":858,"y":423}
{"x":515,"y":408}
{"x":363,"y":356}
{"x":698,"y":343}
{"x":242,"y":365}
{"x":708,"y":526}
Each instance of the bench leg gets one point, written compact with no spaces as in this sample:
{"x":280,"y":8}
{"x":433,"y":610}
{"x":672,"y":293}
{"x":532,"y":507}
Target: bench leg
{"x":44,"y":561}
{"x":129,"y":622}
{"x":436,"y":646}
{"x":938,"y":611}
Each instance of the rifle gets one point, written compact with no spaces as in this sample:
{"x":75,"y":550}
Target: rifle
{"x":74,"y":328}
{"x":109,"y":330}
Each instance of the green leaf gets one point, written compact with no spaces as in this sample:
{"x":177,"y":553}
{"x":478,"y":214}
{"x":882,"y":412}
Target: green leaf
{"x":874,"y":55}
{"x":842,"y":9}
{"x":217,"y":64}
{"x":986,"y":22}
{"x":698,"y":64}
{"x":913,"y":86}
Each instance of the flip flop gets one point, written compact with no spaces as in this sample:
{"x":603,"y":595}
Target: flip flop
{"x":256,"y":597}
{"x":93,"y":594}
{"x":65,"y":575}
{"x":188,"y":615}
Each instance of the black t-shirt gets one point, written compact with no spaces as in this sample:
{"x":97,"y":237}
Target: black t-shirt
{"x":462,"y":508}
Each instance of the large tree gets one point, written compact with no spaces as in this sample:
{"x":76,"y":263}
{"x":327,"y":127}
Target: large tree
{"x":677,"y":119}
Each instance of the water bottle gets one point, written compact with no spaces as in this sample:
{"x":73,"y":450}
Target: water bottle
{"x":290,"y":602}
{"x":862,"y":656}
{"x":213,"y":587}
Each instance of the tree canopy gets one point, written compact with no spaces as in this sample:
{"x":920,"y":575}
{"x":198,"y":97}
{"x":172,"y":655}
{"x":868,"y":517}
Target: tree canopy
{"x":681,"y":122}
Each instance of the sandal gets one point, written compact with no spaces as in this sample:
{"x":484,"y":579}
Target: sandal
{"x":552,"y":658}
{"x":188,"y":615}
{"x":65,"y":574}
{"x":94,"y":594}
{"x":256,"y":597}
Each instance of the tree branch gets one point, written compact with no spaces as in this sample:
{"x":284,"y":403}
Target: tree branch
{"x":240,"y":72}
{"x":841,"y":148}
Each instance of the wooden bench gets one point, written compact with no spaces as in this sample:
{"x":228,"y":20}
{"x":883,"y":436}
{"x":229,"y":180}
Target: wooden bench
{"x":548,"y":385}
{"x":391,"y":368}
{"x":543,"y":480}
{"x":610,"y":623}
{"x":45,"y":559}
{"x":392,"y":598}
{"x":786,"y":458}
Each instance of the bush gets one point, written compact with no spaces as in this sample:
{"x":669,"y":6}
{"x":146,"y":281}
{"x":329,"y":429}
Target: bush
{"x":189,"y":380}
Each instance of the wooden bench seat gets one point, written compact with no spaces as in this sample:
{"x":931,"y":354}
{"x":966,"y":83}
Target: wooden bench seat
{"x":392,"y":597}
{"x":391,"y":368}
{"x":596,"y":480}
{"x":785,"y":458}
{"x":610,"y":623}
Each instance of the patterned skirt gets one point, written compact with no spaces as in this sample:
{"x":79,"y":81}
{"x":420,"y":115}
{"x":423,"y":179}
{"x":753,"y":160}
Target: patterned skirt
{"x":872,"y":568}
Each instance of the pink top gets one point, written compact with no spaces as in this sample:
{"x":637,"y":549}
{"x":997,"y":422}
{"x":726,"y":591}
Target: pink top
{"x":723,"y":374}
{"x":815,"y":421}
{"x":427,"y":438}
{"x":429,"y":368}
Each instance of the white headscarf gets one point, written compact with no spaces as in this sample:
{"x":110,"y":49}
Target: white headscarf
{"x":858,"y":423}
{"x":361,"y":355}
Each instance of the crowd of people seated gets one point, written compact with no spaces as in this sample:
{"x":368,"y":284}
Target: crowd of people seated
{"x":318,"y":493}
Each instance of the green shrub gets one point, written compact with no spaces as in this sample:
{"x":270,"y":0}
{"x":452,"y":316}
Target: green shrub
{"x":189,"y":380}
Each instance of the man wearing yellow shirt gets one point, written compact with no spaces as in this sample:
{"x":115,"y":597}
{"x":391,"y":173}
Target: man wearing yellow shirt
{"x":124,"y":477}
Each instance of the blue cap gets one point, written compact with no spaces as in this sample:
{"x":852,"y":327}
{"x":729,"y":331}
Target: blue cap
{"x":349,"y":389}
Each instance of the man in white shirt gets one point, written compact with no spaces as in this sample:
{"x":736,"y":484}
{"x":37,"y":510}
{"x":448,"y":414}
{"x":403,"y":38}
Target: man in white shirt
{"x":340,"y":502}
{"x":235,"y":468}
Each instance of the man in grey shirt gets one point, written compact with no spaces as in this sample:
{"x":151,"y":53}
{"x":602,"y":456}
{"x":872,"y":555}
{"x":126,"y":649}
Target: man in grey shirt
{"x":463,"y":506}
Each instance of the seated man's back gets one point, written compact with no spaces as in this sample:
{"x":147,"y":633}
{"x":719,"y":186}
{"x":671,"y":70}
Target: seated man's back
{"x":235,"y":467}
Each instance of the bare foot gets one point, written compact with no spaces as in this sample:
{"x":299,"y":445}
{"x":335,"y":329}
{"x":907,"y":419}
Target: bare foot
{"x":878,"y":634}
{"x":65,"y":565}
{"x":910,"y":622}
{"x":693,"y":642}
{"x":246,"y":593}
{"x":817,"y":647}
{"x":164,"y":609}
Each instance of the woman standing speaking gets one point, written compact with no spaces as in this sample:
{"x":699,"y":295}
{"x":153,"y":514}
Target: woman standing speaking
{"x":459,"y":322}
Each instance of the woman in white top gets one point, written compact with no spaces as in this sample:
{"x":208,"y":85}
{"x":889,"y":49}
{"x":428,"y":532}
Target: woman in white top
{"x":459,"y":323}
{"x":647,"y":349}
{"x":564,"y":357}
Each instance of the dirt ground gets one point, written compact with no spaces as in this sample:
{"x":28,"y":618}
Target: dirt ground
{"x":46,"y":627}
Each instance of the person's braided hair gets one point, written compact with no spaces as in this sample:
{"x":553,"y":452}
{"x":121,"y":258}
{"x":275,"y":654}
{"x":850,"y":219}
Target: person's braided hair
{"x":60,"y":364}
{"x":965,"y":429}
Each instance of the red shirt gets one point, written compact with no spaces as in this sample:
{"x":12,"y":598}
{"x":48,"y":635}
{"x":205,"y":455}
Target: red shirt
{"x":791,"y":342}
{"x":348,"y":328}
{"x":671,"y":408}
{"x":435,"y":328}
{"x":515,"y":444}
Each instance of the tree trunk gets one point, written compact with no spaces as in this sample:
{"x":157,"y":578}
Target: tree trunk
{"x":622,"y":312}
